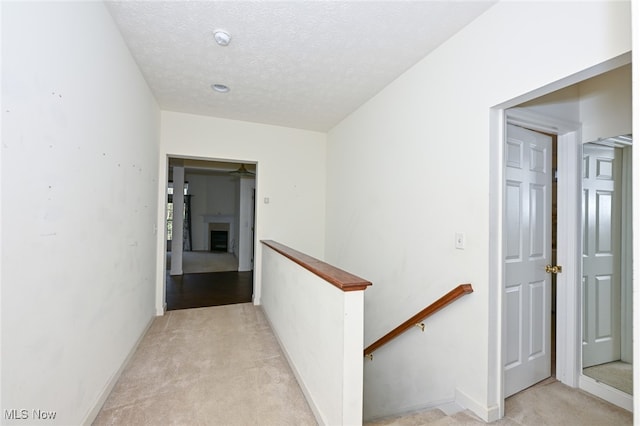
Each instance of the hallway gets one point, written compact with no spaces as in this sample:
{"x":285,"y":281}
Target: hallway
{"x":209,"y":366}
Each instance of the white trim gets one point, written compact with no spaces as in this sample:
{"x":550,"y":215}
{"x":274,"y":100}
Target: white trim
{"x":601,"y":390}
{"x":535,"y":121}
{"x":161,"y":236}
{"x":488,"y":414}
{"x":635,"y":96}
{"x":90,"y":417}
{"x":495,"y":380}
{"x":160,"y":228}
{"x":567,"y":337}
{"x":627,"y":257}
{"x":568,"y":243}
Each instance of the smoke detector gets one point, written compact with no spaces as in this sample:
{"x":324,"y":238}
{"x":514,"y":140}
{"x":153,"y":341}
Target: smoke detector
{"x":222,"y":37}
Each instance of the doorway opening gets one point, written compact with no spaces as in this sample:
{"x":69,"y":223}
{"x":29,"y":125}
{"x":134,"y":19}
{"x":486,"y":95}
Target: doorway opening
{"x":552,"y":116}
{"x":209,"y":242}
{"x":528,"y":243}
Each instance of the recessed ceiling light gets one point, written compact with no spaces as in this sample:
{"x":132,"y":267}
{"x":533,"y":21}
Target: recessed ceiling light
{"x":222,"y":88}
{"x":222,"y":38}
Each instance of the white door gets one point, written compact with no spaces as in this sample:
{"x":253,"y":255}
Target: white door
{"x":527,"y":250}
{"x":600,"y":257}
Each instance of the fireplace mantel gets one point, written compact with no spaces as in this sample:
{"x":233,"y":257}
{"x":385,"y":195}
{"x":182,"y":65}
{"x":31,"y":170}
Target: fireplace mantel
{"x":218,"y":218}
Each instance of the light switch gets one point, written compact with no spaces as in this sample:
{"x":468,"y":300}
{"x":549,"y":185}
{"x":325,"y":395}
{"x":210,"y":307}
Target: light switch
{"x":460,"y":240}
{"x":266,"y":200}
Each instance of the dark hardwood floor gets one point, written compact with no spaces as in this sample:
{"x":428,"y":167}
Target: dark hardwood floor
{"x":208,"y":289}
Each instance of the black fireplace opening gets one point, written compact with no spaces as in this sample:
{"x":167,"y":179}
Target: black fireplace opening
{"x":219,"y":241}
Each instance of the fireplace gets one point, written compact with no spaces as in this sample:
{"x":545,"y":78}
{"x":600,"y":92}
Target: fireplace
{"x":219,"y":240}
{"x":219,"y":233}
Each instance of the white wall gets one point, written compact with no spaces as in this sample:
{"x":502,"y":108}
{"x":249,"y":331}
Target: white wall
{"x":291,"y":167}
{"x":411,"y":167}
{"x":563,"y":104}
{"x":605,"y":105}
{"x":319,"y":328}
{"x":79,"y":184}
{"x":222,"y":195}
{"x":212,"y":195}
{"x":602,"y":104}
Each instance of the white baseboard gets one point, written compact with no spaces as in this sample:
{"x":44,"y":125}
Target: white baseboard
{"x":488,"y":414}
{"x":102,"y":397}
{"x":605,"y":392}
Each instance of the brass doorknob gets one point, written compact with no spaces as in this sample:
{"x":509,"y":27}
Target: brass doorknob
{"x":555,"y":269}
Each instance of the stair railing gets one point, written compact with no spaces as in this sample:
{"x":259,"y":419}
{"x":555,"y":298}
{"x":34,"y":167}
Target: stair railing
{"x":417,"y":319}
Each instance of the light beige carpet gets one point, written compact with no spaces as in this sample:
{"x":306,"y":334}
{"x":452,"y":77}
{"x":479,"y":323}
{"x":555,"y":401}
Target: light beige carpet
{"x":223,"y":366}
{"x":194,"y":262}
{"x":548,"y":403}
{"x":617,"y":374}
{"x":209,"y":366}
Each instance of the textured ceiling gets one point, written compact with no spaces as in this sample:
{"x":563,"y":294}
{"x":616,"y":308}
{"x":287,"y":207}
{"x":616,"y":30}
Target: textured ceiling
{"x":302,"y":64}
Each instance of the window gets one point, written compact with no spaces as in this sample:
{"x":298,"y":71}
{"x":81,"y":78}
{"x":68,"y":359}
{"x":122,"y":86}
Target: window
{"x":170,"y":208}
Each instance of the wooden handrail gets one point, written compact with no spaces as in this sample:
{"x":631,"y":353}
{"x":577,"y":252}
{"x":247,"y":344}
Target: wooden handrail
{"x":344,"y":280}
{"x":448,"y":298}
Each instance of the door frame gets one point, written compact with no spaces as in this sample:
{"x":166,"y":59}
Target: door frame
{"x":567,"y":331}
{"x":519,"y":118}
{"x":568,"y":234}
{"x":569,"y":249}
{"x":160,"y":228}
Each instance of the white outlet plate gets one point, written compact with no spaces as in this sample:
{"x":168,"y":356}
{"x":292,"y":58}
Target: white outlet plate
{"x":460,"y":240}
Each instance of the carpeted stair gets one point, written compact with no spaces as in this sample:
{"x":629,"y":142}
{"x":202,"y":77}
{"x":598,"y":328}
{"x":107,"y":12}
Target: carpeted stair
{"x":429,"y":417}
